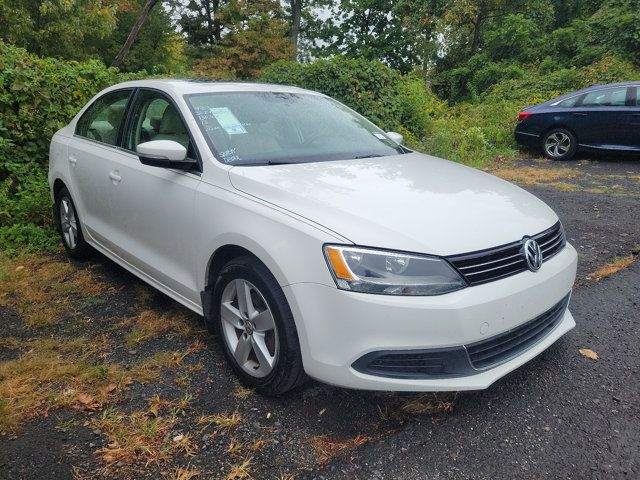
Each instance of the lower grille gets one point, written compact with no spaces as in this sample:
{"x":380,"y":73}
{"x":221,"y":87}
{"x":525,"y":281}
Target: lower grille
{"x":432,"y":363}
{"x":498,"y":349}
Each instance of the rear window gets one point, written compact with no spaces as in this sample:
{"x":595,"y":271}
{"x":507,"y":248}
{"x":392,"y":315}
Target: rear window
{"x":102,"y":120}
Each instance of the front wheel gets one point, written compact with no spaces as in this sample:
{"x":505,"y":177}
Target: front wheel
{"x":559,"y":144}
{"x":256,"y":328}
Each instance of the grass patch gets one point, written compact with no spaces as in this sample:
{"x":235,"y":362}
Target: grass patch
{"x":52,"y":373}
{"x":326,"y":448}
{"x":183,"y":473}
{"x":611,"y":268}
{"x":150,"y":324}
{"x":536,"y":176}
{"x":41,"y":288}
{"x":223,"y":422}
{"x":565,"y":187}
{"x":242,"y":393}
{"x":240,"y":471}
{"x":140,"y":437}
{"x":424,"y":404}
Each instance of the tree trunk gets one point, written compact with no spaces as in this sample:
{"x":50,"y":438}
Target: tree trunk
{"x":217,"y":28}
{"x":294,"y":33}
{"x":133,"y":34}
{"x":477,"y":31}
{"x":207,"y":8}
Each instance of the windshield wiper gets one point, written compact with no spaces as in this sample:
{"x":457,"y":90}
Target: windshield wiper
{"x":280,"y":162}
{"x":371,"y":155}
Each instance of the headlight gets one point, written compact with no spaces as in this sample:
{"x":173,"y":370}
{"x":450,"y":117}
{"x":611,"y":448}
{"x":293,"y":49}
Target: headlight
{"x":390,"y":273}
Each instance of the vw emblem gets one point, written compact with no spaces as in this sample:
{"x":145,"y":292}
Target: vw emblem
{"x":532,"y":254}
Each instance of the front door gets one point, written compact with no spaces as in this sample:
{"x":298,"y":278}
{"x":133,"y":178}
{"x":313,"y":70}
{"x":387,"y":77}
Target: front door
{"x":601,"y":118}
{"x":153,"y":207}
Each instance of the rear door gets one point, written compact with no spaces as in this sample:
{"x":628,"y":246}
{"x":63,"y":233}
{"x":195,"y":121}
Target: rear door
{"x":153,"y":207}
{"x":601,"y":118}
{"x":91,"y":155}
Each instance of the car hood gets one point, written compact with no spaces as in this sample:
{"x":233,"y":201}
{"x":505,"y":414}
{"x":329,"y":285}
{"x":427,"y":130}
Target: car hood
{"x":411,"y":202}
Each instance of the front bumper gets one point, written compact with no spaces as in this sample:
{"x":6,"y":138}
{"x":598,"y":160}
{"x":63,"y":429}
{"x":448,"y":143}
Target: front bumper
{"x":336,"y":328}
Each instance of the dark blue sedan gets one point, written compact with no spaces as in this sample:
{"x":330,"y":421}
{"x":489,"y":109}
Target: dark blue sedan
{"x":597,"y":118}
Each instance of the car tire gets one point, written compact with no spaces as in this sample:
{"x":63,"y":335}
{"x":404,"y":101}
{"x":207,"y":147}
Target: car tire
{"x":559,"y":144}
{"x":68,"y":224}
{"x":256,"y":328}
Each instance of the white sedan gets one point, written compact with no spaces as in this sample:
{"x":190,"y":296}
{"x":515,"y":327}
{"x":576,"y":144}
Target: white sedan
{"x":311,"y":241}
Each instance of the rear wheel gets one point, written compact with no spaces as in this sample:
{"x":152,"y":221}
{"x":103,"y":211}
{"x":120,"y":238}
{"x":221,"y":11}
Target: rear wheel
{"x":69,"y":226}
{"x":256,"y":328}
{"x":559,"y":144}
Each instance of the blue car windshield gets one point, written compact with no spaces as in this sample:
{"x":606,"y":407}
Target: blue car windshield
{"x":257,"y":128}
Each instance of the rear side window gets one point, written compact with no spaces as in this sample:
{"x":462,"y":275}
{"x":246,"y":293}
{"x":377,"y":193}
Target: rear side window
{"x":569,"y":102}
{"x":637,"y":97}
{"x":609,"y":97}
{"x":103,"y":120}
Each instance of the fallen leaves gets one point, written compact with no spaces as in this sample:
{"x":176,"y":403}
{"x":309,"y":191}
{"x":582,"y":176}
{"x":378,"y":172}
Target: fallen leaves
{"x":88,"y":402}
{"x":588,"y":353}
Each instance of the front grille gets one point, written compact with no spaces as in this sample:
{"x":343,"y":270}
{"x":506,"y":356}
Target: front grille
{"x":499,"y":262}
{"x":498,"y":349}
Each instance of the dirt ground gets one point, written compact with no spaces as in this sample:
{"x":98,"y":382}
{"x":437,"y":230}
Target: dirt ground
{"x":102,"y":377}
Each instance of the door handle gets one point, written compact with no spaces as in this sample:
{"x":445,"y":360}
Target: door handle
{"x":73,"y":160}
{"x":115,"y":178}
{"x":579,"y":114}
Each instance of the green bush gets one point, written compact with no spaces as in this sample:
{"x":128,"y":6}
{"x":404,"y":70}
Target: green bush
{"x":385,"y":96}
{"x":37,"y":97}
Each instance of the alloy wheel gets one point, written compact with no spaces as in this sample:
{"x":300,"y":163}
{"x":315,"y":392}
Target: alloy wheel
{"x":68,"y":222}
{"x":249,"y":328}
{"x":557,"y":144}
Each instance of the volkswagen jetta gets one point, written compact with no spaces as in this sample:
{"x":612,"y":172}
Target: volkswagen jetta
{"x":313,"y":242}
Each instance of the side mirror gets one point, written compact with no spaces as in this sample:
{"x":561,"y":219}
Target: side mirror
{"x":164,"y":154}
{"x":396,"y":137}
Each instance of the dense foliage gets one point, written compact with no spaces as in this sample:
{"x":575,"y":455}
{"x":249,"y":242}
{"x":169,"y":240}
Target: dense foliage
{"x":382,"y":94}
{"x":37,"y":97}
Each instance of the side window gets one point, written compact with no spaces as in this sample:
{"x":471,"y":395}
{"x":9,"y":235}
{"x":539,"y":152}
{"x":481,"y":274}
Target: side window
{"x":637,"y":97}
{"x":155,"y":118}
{"x":609,"y":97}
{"x":102,"y":120}
{"x":569,"y":102}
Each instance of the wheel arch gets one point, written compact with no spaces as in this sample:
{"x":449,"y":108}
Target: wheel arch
{"x":58,"y":185}
{"x":555,"y":126}
{"x":225,"y":252}
{"x":230,"y":248}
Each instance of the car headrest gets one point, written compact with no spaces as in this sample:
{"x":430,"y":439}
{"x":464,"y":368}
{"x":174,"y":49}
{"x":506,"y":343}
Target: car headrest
{"x":115,"y":113}
{"x":171,"y":122}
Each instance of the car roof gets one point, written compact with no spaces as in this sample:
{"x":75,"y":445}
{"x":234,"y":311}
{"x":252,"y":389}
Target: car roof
{"x":189,"y":86}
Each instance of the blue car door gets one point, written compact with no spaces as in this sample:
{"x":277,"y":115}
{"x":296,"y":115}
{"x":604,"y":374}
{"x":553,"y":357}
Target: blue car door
{"x":601,"y":118}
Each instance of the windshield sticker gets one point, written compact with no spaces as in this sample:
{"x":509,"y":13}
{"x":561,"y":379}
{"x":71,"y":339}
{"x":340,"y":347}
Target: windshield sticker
{"x":379,"y":136}
{"x":230,"y":156}
{"x":228,"y":120}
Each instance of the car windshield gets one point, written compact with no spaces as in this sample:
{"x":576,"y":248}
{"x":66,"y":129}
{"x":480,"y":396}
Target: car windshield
{"x":258,"y":128}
